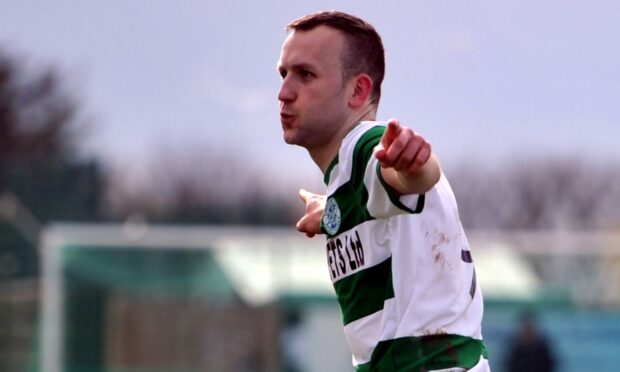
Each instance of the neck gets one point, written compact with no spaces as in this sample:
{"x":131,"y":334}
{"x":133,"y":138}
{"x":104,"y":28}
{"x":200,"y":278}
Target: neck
{"x":324,"y":155}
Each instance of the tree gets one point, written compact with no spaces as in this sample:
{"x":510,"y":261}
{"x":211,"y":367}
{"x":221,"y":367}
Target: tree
{"x":200,"y":185}
{"x":37,"y":118}
{"x":549,"y":193}
{"x":39,"y":175}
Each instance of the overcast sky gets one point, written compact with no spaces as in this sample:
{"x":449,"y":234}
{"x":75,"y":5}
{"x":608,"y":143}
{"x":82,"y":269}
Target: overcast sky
{"x":482,"y":80}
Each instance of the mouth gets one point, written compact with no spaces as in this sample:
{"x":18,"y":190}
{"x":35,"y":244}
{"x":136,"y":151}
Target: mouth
{"x":286,"y":119}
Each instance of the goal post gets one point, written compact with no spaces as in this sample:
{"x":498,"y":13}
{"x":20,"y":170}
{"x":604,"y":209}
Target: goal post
{"x":100,"y":279}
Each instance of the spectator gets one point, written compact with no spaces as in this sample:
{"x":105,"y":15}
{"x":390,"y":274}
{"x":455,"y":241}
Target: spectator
{"x":530,"y":350}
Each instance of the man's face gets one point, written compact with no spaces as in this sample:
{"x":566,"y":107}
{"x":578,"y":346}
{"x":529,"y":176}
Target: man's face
{"x":313,"y":103}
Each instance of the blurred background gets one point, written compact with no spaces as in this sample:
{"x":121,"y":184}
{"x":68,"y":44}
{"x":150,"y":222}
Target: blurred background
{"x":148,"y":202}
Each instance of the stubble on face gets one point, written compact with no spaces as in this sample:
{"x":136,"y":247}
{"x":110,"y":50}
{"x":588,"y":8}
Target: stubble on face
{"x":312,"y":96}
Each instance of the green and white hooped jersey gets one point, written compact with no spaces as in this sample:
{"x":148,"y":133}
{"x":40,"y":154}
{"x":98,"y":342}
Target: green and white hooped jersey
{"x":401,"y":267}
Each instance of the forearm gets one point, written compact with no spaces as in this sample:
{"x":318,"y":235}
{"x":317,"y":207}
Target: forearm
{"x":419,"y":182}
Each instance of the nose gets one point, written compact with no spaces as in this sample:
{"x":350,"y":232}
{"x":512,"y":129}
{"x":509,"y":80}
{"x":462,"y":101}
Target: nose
{"x":287,"y":92}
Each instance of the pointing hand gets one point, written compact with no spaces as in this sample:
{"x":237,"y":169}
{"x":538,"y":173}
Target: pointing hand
{"x":403,"y":149}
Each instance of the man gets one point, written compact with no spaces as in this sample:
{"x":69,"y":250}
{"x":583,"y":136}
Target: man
{"x":396,"y":252}
{"x":530,"y":350}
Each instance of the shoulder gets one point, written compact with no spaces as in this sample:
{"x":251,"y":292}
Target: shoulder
{"x":364,"y":134}
{"x":355,"y":151}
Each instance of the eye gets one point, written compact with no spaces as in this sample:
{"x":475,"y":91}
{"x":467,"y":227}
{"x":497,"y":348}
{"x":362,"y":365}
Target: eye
{"x":305,"y":74}
{"x":282,"y":73}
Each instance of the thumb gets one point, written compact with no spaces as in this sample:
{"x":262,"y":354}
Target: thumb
{"x":302,"y":226}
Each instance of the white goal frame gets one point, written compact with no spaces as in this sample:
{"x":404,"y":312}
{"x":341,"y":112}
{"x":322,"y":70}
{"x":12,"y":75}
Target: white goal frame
{"x":304,"y":269}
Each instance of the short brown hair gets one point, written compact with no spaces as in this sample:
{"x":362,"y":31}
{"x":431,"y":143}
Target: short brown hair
{"x":364,"y":52}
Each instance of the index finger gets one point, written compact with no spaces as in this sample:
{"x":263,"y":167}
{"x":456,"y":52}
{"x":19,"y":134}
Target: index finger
{"x":304,"y":195}
{"x":391,"y":132}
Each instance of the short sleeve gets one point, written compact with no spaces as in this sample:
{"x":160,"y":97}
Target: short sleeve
{"x":383,"y":200}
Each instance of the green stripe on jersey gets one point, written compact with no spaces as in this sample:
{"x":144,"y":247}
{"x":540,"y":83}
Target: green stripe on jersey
{"x":361,"y":153}
{"x":365,"y":292}
{"x":329,"y":169}
{"x":352,"y":205}
{"x":426,"y":353}
{"x":352,"y":196}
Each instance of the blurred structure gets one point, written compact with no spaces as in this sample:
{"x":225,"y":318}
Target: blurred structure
{"x":572,"y":287}
{"x":138,"y":297}
{"x":189,"y":298}
{"x":292,"y":342}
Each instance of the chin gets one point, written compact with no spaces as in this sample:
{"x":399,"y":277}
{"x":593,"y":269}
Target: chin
{"x":289,"y":138}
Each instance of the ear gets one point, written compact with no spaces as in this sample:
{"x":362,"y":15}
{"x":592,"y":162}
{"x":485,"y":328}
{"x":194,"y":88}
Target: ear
{"x":362,"y":88}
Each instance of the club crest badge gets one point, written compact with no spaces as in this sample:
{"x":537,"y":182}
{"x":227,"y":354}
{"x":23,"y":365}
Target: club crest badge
{"x":331,"y":216}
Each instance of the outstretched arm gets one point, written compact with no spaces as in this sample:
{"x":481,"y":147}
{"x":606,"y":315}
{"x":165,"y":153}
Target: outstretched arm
{"x":310,"y":223}
{"x":407,"y":162}
{"x":408,"y":165}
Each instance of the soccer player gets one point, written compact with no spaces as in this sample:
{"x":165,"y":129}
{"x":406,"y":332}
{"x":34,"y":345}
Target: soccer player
{"x":396,"y":251}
